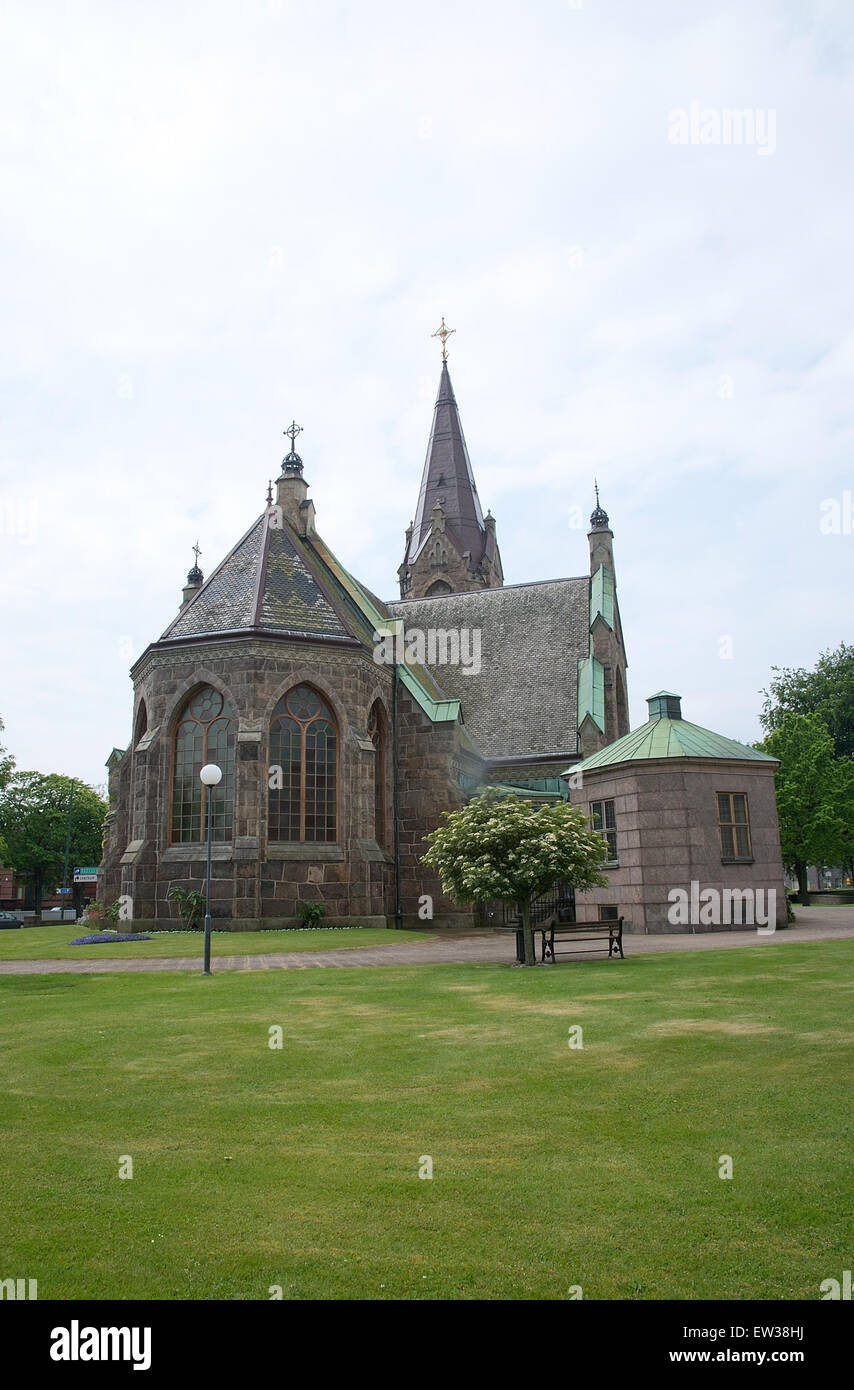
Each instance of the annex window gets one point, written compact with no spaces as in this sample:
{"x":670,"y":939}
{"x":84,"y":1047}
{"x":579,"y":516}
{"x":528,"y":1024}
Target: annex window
{"x":734,"y":826}
{"x":605,"y":821}
{"x":303,"y":768}
{"x":204,"y":734}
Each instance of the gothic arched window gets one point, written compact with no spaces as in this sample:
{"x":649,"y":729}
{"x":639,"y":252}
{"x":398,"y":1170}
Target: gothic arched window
{"x":377,"y":730}
{"x":204,"y":734}
{"x":303,"y":768}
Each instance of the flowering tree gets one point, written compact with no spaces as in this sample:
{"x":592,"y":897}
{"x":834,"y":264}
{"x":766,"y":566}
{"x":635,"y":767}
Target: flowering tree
{"x":503,"y":847}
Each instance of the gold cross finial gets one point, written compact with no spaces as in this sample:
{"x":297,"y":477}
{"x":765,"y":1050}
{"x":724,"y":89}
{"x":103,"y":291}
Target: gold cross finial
{"x":443,"y":333}
{"x":196,"y":551}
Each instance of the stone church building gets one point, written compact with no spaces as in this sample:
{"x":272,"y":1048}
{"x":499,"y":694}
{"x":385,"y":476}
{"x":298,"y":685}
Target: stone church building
{"x":344,"y":725}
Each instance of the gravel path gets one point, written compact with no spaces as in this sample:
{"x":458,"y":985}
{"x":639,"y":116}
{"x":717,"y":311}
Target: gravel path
{"x":454,"y":948}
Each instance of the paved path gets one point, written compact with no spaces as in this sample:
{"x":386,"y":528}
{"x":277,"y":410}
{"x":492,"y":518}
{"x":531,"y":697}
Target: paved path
{"x":454,"y":948}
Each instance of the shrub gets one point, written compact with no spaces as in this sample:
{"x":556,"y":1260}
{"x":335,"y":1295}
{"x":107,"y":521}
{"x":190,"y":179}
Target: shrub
{"x":312,"y":914}
{"x":190,"y":903}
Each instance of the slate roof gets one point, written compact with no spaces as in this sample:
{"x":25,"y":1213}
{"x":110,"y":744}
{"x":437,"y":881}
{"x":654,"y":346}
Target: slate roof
{"x":275,"y":581}
{"x":267,"y":583}
{"x":670,"y":738}
{"x":524,"y":699}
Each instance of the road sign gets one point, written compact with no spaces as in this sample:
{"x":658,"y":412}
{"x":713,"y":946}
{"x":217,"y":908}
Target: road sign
{"x":66,"y":890}
{"x":86,"y":875}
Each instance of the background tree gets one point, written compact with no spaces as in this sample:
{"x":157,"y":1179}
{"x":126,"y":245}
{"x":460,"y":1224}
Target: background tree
{"x":815,"y":794}
{"x":505,"y":848}
{"x":7,"y":767}
{"x":827,"y":691}
{"x":33,"y":820}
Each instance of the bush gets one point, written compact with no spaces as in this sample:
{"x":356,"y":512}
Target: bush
{"x":312,"y":914}
{"x":190,"y":903}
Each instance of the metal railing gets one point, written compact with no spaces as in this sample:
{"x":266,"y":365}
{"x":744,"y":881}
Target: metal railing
{"x":559,"y":902}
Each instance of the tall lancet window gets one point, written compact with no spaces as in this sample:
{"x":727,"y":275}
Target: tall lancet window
{"x":204,"y":734}
{"x":303,"y":768}
{"x":377,"y":731}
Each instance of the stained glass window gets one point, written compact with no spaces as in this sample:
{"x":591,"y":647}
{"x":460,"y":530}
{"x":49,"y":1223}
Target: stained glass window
{"x":205,"y":734}
{"x":303,"y":768}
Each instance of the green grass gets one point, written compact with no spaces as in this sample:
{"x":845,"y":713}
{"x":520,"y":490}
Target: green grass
{"x":54,"y":942}
{"x":552,"y":1167}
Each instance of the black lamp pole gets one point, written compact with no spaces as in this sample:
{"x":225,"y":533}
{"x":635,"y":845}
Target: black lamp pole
{"x":210,"y":777}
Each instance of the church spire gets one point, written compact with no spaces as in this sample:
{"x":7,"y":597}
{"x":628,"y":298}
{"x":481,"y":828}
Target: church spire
{"x":450,"y":548}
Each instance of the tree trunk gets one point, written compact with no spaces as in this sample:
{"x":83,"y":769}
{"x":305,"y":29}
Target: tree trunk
{"x":527,"y":932}
{"x":803,"y":885}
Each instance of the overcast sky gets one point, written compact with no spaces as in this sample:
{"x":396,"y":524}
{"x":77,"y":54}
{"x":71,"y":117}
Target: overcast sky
{"x":220,"y":216}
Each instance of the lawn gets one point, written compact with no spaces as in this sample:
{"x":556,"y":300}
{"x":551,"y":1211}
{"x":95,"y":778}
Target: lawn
{"x":552,"y":1167}
{"x":54,"y":942}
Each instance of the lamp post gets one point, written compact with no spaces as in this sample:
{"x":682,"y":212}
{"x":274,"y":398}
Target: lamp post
{"x":210,"y":776}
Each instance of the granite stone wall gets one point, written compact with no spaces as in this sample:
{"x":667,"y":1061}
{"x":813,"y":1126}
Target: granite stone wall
{"x":257,"y":882}
{"x":668,"y":837}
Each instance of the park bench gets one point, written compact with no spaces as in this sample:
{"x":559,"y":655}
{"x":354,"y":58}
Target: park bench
{"x":608,"y":934}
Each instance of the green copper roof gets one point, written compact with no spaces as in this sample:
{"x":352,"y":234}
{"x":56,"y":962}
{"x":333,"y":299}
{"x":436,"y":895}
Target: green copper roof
{"x":591,"y":692}
{"x":602,"y":596}
{"x":669,"y":738}
{"x":416,"y":679}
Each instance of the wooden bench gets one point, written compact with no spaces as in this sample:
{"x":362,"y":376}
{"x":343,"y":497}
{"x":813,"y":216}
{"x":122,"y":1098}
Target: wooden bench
{"x":555,"y":934}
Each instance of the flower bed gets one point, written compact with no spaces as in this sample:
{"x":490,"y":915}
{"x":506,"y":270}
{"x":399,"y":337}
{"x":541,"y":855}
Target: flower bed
{"x":109,"y":937}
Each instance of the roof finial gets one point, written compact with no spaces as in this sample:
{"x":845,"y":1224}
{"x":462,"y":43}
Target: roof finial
{"x":270,"y":493}
{"x":599,"y":517}
{"x":443,"y":333}
{"x":292,"y":463}
{"x":195,"y":575}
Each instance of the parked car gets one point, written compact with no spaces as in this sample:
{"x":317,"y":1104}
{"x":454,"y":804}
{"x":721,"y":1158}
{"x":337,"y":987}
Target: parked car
{"x":9,"y":920}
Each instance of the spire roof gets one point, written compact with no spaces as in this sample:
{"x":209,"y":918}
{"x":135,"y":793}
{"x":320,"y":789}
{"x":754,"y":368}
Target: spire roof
{"x":448,"y":480}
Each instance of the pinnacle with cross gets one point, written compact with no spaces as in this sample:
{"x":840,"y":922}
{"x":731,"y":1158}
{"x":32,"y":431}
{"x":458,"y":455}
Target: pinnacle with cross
{"x":443,"y":333}
{"x":292,"y":463}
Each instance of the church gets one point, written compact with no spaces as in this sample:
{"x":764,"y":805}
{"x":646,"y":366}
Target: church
{"x":344,"y":724}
